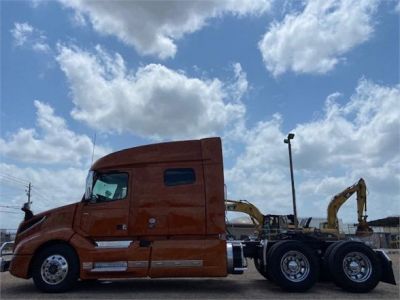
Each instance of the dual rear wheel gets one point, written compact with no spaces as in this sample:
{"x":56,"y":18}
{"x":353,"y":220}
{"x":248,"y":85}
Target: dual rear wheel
{"x":353,"y":266}
{"x":292,"y":265}
{"x":295,"y":267}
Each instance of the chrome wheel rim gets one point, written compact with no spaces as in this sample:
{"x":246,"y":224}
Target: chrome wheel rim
{"x":357,"y":267}
{"x":54,"y":269}
{"x":295,"y":266}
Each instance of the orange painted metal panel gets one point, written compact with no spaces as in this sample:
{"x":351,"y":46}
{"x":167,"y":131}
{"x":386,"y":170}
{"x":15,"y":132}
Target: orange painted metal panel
{"x":155,"y":153}
{"x":88,"y":252}
{"x":174,"y":209}
{"x":19,"y":266}
{"x":212,"y":254}
{"x":214,"y":185}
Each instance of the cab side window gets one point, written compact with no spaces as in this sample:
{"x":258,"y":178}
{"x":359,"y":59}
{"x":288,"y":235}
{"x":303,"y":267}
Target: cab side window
{"x":173,"y":177}
{"x":110,"y":187}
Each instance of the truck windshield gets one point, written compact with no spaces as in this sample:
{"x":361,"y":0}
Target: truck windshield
{"x":106,"y":186}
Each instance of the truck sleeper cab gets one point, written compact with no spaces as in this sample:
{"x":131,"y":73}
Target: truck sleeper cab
{"x":155,"y":210}
{"x":158,"y":211}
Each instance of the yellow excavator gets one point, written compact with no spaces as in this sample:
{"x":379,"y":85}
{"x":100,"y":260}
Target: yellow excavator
{"x":273,"y":224}
{"x":339,"y":199}
{"x":266,"y":225}
{"x":246,"y":207}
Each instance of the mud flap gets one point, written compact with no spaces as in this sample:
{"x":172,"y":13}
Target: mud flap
{"x":387,"y":269}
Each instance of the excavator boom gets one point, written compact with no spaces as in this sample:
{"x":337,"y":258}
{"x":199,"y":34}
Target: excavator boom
{"x":339,"y":199}
{"x":248,"y":208}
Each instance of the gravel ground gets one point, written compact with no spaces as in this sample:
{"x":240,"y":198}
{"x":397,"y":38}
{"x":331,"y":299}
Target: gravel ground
{"x":251,"y":285}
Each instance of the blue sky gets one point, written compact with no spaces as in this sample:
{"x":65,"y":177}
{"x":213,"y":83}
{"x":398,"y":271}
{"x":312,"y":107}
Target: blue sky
{"x":248,"y":71}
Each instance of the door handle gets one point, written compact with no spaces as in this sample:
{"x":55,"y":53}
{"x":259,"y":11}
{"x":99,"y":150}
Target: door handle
{"x":122,"y":227}
{"x":152,"y":222}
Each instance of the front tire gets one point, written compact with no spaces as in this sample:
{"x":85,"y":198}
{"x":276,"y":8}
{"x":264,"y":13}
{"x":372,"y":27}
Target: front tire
{"x":293,"y":265}
{"x":55,"y":269}
{"x":355,"y":267}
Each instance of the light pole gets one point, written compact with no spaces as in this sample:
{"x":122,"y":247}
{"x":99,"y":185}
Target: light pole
{"x":287,"y":141}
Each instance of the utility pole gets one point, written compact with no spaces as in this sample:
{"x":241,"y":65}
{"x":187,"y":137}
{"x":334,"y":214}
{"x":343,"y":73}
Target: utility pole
{"x":28,"y":193}
{"x":287,"y":141}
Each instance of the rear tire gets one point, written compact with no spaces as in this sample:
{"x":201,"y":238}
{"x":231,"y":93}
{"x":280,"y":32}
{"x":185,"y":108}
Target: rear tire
{"x":355,"y":267}
{"x":55,"y":269}
{"x":293,"y":266}
{"x":325,"y":274}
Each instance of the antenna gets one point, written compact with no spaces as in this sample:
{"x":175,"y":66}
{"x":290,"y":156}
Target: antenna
{"x":94,"y":145}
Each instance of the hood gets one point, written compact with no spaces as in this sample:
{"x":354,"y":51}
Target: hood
{"x":57,"y":218}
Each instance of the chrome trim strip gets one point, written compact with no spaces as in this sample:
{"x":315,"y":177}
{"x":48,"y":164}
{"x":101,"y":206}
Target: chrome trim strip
{"x":110,"y":269}
{"x":229,"y":256}
{"x":113,"y":244}
{"x":87,"y":265}
{"x":244,"y":261}
{"x":176,"y":263}
{"x":138,"y":264}
{"x":115,"y":266}
{"x":264,"y":244}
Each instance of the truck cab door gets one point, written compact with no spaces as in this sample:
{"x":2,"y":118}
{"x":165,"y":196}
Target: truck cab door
{"x":106,"y":215}
{"x":104,"y":220}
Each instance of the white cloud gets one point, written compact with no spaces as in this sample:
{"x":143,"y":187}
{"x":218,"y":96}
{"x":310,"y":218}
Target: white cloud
{"x":51,"y":188}
{"x":153,"y":101}
{"x":27,"y":36}
{"x":316,"y":40}
{"x":64,"y":158}
{"x":152,"y":27}
{"x":358,"y":139}
{"x":54,"y":144}
{"x":364,"y":130}
{"x":21,"y":32}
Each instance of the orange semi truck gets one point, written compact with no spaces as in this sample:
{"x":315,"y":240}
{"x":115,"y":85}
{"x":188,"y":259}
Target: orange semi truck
{"x":158,"y":211}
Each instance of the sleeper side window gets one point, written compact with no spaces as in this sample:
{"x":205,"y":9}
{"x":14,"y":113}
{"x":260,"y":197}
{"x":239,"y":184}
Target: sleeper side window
{"x":179,"y":176}
{"x":110,"y":187}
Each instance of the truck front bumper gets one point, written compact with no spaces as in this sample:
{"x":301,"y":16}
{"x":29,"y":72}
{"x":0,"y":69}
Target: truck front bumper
{"x":4,"y":264}
{"x":6,"y":256}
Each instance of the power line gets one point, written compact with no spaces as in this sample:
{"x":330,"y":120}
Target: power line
{"x":13,"y":184}
{"x":10,"y":212}
{"x":40,"y":191}
{"x":7,"y":195}
{"x":23,"y":181}
{"x":17,"y":178}
{"x":20,"y":181}
{"x":11,"y":180}
{"x":10,"y":206}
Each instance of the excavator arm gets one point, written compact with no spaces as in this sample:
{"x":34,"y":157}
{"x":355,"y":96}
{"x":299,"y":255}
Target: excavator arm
{"x":246,"y":207}
{"x":339,"y":199}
